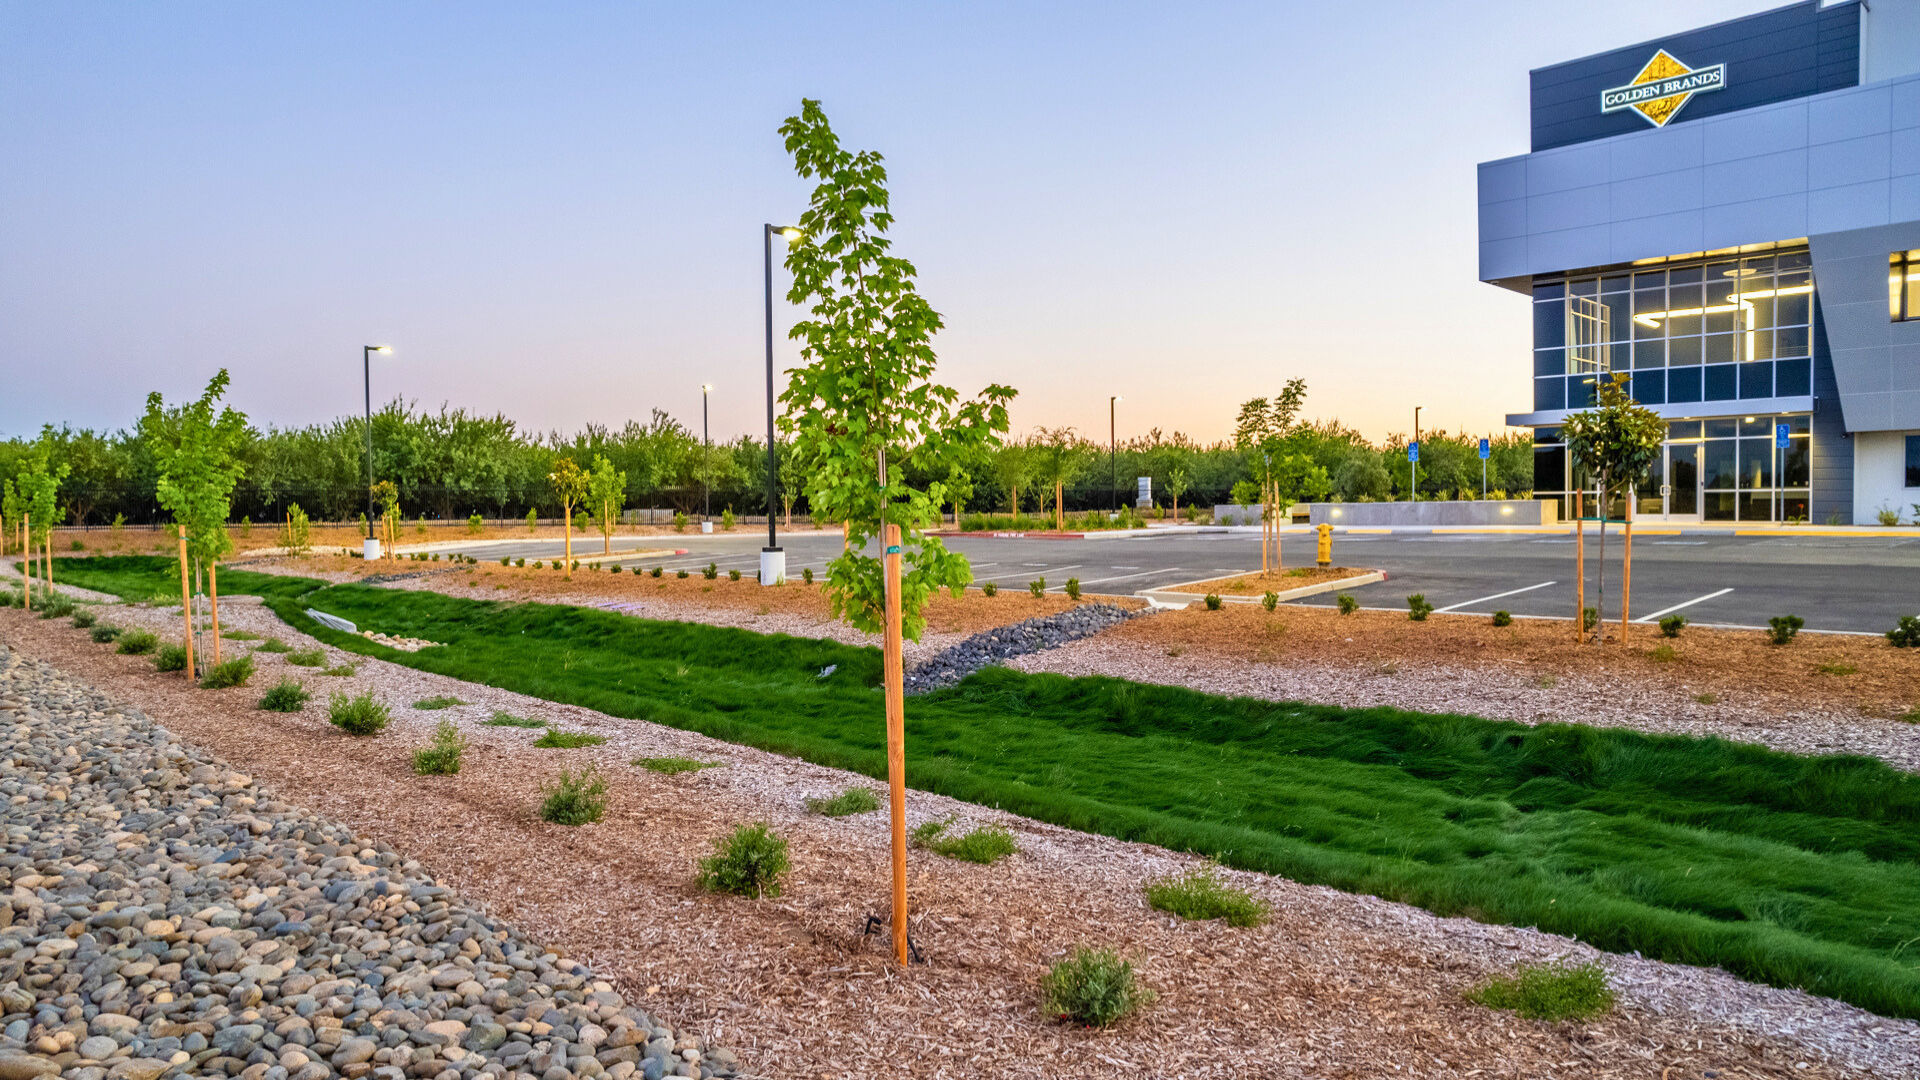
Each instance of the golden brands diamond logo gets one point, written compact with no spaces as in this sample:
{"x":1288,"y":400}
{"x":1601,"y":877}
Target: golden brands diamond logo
{"x":1662,"y":87}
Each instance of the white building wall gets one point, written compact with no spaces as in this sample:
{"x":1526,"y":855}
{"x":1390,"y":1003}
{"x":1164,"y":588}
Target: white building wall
{"x":1889,"y":39}
{"x":1880,"y":476}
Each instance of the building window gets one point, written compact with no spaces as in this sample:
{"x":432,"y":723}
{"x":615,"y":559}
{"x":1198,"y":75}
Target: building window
{"x":1727,"y":328}
{"x":1913,"y":461}
{"x":1903,"y":288}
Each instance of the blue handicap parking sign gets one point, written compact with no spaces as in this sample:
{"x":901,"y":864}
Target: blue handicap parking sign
{"x":1413,"y":451}
{"x":1486,"y":449}
{"x":1780,"y":436}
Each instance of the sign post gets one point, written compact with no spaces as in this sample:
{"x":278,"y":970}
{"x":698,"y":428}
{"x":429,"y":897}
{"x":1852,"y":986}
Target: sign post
{"x":1486,"y":450}
{"x":1413,"y":472}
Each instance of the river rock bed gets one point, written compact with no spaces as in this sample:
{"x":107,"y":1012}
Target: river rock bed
{"x":164,"y":916}
{"x":1006,"y":642}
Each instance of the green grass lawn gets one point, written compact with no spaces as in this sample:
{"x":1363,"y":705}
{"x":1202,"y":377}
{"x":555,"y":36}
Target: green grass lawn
{"x":1788,"y":870}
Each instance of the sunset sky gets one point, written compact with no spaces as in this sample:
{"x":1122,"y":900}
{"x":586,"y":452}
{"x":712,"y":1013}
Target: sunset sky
{"x":554,"y":210}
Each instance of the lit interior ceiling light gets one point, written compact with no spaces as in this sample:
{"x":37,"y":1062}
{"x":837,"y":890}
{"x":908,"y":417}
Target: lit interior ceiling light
{"x":1740,"y":300}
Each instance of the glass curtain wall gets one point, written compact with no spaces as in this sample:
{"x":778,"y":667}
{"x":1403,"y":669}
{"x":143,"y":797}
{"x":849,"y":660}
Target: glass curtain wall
{"x":1721,"y":329}
{"x":1730,"y":469}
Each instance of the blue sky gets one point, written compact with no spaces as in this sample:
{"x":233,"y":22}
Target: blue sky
{"x":553,"y":210}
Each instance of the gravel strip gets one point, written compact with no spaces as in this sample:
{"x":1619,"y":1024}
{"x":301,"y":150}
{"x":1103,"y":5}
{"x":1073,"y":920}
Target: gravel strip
{"x":1496,"y":691}
{"x":170,"y":918}
{"x":1336,"y":985}
{"x":1002,"y":643}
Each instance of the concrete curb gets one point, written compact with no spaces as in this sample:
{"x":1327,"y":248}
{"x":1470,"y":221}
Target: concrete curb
{"x":1168,"y":598}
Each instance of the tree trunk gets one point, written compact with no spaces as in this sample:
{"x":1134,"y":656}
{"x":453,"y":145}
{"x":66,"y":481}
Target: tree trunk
{"x":26,"y":579}
{"x":566,"y":530}
{"x":1600,"y":593}
{"x":1579,"y":573}
{"x":1626,"y":573}
{"x":1059,"y":507}
{"x":896,"y":743}
{"x":186,"y":597}
{"x":213,"y":595}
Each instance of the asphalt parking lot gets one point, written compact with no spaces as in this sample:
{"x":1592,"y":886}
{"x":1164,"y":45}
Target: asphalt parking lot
{"x":1839,"y":583}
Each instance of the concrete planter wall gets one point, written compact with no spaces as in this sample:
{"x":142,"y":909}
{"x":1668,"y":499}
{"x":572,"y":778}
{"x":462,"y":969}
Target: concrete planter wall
{"x":1490,"y":512}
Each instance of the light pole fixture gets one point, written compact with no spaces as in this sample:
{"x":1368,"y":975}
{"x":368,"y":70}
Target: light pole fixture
{"x":1413,"y":460}
{"x":706,"y":457}
{"x":1113,"y":457}
{"x":371,"y":549}
{"x":773,"y":561}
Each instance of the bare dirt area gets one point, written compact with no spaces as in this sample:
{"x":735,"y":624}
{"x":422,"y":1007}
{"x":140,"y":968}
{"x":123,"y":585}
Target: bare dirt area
{"x":1334,"y":986}
{"x":1818,"y":694}
{"x":1259,"y":584}
{"x":144,"y":540}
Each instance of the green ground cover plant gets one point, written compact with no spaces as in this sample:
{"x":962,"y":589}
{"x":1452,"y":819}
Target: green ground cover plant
{"x":357,"y":715}
{"x":138,"y":642}
{"x":441,"y":757}
{"x":1672,"y":625}
{"x":273,"y":645}
{"x":555,"y":739}
{"x":1347,"y":603}
{"x":307,"y":657}
{"x":440,"y":701}
{"x":1548,"y":992}
{"x":989,"y":589}
{"x":674,"y":766}
{"x":233,"y":671}
{"x":287,"y":695}
{"x":574,"y":798}
{"x":343,"y":671}
{"x":986,"y":845}
{"x":83,"y":618}
{"x":1783,"y":628}
{"x":1790,"y":870}
{"x":170,"y":657}
{"x":1201,"y":895}
{"x":1503,"y":618}
{"x":103,"y":633}
{"x":854,"y":800}
{"x":239,"y":635}
{"x":1095,"y":987}
{"x":747,"y":863}
{"x":505,"y":719}
{"x":1906,"y":633}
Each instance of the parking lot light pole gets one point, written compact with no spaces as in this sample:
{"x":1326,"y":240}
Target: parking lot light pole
{"x":371,"y":549}
{"x":1113,"y":458}
{"x":706,"y":456}
{"x":773,"y":561}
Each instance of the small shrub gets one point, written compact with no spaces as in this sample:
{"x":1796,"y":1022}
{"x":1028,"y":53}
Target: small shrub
{"x":986,"y":845}
{"x":1907,"y":634}
{"x":438,"y":702}
{"x":712,"y":571}
{"x":273,"y":645}
{"x":1073,"y":588}
{"x":533,"y":520}
{"x":287,"y":695}
{"x":57,"y":606}
{"x":682,"y":575}
{"x":519,"y":562}
{"x":1664,"y":654}
{"x":1671,"y":625}
{"x":341,"y":670}
{"x":614,"y":569}
{"x":1095,"y":987}
{"x":674,"y":766}
{"x":806,"y":574}
{"x":1417,"y":607}
{"x":1548,"y":992}
{"x":1346,"y":603}
{"x":1782,"y":628}
{"x":733,"y":575}
{"x":233,"y":671}
{"x":1202,"y":895}
{"x":78,"y":545}
{"x":1213,"y":601}
{"x":357,"y":715}
{"x":441,"y":757}
{"x":170,"y":657}
{"x":138,"y":642}
{"x":537,"y":564}
{"x":1706,"y":699}
{"x":1270,"y":601}
{"x":574,"y":798}
{"x":679,"y":521}
{"x":748,"y":863}
{"x":1836,"y":668}
{"x":240,"y":635}
{"x":102,"y":633}
{"x":727,"y":520}
{"x":505,"y":719}
{"x":474,"y":525}
{"x":854,"y":800}
{"x":1589,"y":618}
{"x":656,"y":571}
{"x":1037,"y":588}
{"x":1887,"y":515}
{"x":307,"y":657}
{"x":1503,"y":618}
{"x":1911,"y":716}
{"x":556,"y":739}
{"x":83,"y":618}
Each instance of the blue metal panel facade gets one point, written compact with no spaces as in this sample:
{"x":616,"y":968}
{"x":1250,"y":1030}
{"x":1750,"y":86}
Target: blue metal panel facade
{"x":1790,"y":52}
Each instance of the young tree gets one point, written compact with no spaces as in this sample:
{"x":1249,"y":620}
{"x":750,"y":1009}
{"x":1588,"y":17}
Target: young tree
{"x":39,"y":485}
{"x":195,"y":453}
{"x":1618,"y":441}
{"x":1176,"y":486}
{"x":607,"y":489}
{"x":570,"y":483}
{"x":10,"y":503}
{"x":864,"y":412}
{"x":1012,"y":467}
{"x":1261,"y":431}
{"x":1057,"y":459}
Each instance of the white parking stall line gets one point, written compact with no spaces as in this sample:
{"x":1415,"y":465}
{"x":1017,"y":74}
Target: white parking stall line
{"x":1677,"y":607}
{"x":1495,"y":596}
{"x":1023,"y":573}
{"x":1122,"y":577}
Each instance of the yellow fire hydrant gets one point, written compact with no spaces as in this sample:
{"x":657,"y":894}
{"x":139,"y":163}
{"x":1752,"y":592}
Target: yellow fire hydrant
{"x":1324,"y":555}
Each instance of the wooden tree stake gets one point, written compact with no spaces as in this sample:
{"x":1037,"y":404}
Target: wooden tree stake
{"x":213,"y":593}
{"x":1579,"y":572}
{"x":896,"y":744}
{"x":186,"y":598}
{"x":26,"y":545}
{"x":1626,"y":571}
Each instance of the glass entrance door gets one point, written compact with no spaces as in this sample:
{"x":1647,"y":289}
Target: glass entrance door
{"x":1683,"y":481}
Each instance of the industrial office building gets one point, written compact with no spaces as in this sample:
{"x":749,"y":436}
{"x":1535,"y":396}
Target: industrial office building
{"x":1730,"y":217}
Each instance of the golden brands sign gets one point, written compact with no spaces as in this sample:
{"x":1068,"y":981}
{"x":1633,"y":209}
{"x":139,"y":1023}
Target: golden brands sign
{"x":1662,"y":87}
